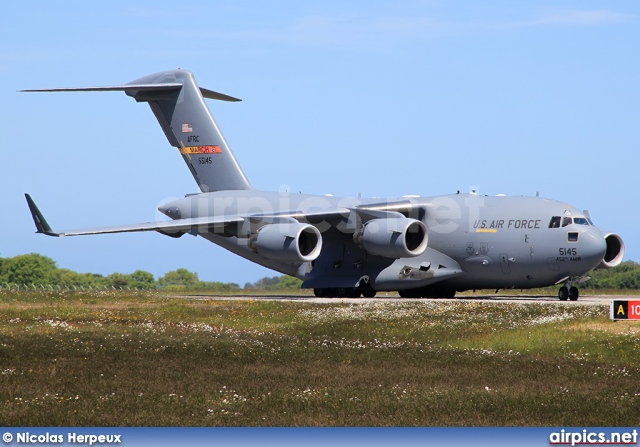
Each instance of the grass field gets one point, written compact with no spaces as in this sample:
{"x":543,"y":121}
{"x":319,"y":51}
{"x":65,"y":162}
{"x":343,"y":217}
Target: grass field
{"x":145,"y":359}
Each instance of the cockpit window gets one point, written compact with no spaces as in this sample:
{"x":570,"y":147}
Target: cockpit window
{"x":555,"y":222}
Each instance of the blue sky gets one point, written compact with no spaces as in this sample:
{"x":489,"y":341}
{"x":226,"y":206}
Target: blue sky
{"x":342,"y":97}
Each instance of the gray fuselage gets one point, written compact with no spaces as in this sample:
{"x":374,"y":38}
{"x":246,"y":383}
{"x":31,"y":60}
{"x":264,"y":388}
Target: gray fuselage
{"x":485,"y":241}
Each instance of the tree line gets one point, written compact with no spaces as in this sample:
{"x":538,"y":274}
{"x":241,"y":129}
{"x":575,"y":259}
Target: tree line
{"x":625,"y":276}
{"x":37,"y":271}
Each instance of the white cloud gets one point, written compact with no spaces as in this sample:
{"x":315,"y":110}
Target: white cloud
{"x":576,"y":17}
{"x":376,"y":31}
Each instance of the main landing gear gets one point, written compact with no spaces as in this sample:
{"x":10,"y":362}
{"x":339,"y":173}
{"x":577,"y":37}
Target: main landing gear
{"x":428,"y":292}
{"x":568,"y":291}
{"x":344,"y":292}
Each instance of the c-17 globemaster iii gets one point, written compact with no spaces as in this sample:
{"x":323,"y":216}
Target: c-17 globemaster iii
{"x":348,"y":247}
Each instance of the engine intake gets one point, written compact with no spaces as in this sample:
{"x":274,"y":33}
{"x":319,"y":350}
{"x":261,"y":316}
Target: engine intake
{"x":393,"y":238}
{"x":615,"y":251}
{"x":287,"y":242}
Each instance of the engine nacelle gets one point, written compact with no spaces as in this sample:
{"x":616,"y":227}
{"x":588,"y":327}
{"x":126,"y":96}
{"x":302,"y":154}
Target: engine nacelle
{"x":393,"y":238}
{"x":287,"y":242}
{"x":615,"y":251}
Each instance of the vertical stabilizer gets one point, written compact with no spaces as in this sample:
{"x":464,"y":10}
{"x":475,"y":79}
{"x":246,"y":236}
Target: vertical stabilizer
{"x":178,"y":104}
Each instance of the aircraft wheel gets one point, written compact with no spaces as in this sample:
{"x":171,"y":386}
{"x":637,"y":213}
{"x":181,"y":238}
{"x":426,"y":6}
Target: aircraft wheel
{"x":448,"y":293}
{"x":426,"y":292}
{"x":369,"y":293}
{"x":563,"y":294}
{"x":342,"y":292}
{"x":411,"y":293}
{"x":320,"y":293}
{"x":574,"y":293}
{"x":331,"y":293}
{"x":353,"y":293}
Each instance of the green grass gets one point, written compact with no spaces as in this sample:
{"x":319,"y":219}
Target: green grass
{"x":145,"y":359}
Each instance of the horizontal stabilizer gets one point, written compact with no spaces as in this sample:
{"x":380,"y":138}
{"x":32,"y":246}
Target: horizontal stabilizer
{"x":210,"y":94}
{"x":112,"y":88}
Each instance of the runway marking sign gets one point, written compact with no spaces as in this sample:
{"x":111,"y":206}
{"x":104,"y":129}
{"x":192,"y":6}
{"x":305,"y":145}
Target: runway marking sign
{"x":625,"y":310}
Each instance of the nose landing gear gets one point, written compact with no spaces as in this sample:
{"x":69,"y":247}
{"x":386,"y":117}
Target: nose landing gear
{"x":345,"y":292}
{"x":568,"y":291}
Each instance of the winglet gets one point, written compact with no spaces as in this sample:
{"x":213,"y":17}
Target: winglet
{"x":41,"y":223}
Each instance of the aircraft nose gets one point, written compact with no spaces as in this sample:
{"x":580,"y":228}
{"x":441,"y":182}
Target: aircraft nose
{"x":592,"y":246}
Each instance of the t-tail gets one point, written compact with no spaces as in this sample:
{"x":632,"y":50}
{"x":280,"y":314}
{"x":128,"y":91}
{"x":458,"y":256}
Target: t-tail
{"x":178,"y":104}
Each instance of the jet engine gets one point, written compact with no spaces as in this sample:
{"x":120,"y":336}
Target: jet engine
{"x":287,"y":242}
{"x":615,"y":251}
{"x":393,"y":237}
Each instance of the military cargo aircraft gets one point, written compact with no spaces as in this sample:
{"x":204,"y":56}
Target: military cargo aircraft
{"x":351,"y":247}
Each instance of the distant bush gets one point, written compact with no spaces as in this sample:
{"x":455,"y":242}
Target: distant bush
{"x":35,"y":269}
{"x":625,"y":276}
{"x":274,"y":283}
{"x":41,"y":271}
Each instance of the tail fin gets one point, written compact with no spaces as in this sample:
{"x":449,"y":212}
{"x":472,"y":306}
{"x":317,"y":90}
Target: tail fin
{"x":178,"y":104}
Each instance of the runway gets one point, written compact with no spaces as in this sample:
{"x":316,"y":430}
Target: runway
{"x":586,"y":300}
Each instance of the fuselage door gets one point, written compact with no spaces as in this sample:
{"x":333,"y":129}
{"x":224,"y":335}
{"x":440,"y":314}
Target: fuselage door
{"x":553,"y":264}
{"x":504,"y":263}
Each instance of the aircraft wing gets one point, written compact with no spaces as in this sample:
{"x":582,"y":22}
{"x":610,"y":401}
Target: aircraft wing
{"x":349,"y":216}
{"x":174,"y":228}
{"x":347,"y":219}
